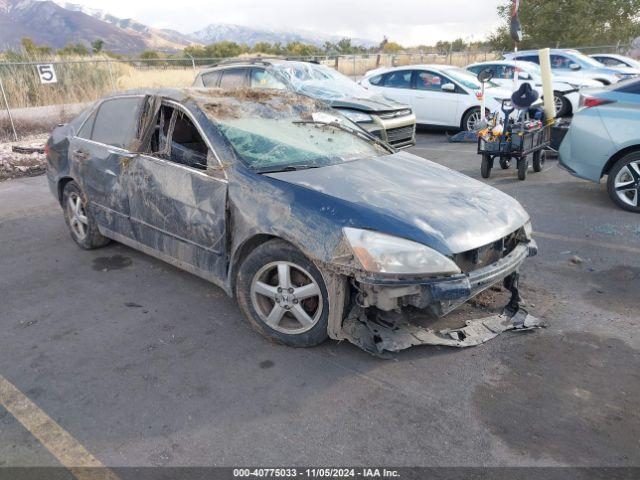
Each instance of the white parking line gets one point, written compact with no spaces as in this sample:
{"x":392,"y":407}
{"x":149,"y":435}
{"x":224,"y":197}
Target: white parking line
{"x":69,"y":452}
{"x":591,"y":243}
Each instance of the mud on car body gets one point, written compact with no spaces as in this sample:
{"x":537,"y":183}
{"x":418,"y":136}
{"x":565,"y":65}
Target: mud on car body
{"x":318,"y":228}
{"x":387,"y":119}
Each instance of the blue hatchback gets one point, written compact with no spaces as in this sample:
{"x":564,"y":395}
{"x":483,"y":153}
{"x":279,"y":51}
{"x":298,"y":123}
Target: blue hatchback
{"x":604,"y":139}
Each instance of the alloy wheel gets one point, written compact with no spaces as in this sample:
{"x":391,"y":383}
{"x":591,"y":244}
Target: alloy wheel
{"x":77,"y":216}
{"x":559,"y":103}
{"x":286,"y":297}
{"x":627,"y":184}
{"x":473,"y":121}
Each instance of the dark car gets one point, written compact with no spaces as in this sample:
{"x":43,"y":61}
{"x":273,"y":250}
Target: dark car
{"x":389,"y":120}
{"x":310,"y":222}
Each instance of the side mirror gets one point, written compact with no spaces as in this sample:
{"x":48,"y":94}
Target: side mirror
{"x":574,"y":66}
{"x":448,"y":87}
{"x":524,"y":76}
{"x":485,"y":75}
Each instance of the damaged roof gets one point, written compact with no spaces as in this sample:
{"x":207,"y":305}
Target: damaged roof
{"x":220,"y":104}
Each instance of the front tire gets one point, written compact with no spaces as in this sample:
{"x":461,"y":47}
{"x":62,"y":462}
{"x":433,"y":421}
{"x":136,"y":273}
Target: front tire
{"x":623,"y":183}
{"x":523,"y":166}
{"x":471,"y":119}
{"x":79,"y":218}
{"x":486,"y":166}
{"x":538,"y":160}
{"x":563,"y":106}
{"x":283,"y":295}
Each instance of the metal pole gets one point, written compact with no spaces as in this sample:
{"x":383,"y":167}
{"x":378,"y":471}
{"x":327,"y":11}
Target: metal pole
{"x":113,"y":84}
{"x":6,"y":102}
{"x":355,"y":77}
{"x":193,"y":62}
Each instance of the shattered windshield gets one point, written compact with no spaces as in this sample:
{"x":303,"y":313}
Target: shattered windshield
{"x":273,"y":130}
{"x":319,"y":81}
{"x":267,"y":144}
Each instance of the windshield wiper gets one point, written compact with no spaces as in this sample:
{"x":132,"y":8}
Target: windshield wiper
{"x":286,"y":168}
{"x":357,"y":132}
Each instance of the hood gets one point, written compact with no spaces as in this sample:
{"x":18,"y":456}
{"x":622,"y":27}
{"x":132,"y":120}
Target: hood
{"x":429,"y":203}
{"x":355,"y":97}
{"x":577,"y":80}
{"x":366,"y":102}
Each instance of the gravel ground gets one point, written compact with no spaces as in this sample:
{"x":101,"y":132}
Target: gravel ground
{"x":14,"y":165}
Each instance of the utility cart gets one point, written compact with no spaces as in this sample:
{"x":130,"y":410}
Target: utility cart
{"x":516,"y":141}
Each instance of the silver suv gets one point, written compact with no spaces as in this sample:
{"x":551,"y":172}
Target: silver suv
{"x":390,"y":121}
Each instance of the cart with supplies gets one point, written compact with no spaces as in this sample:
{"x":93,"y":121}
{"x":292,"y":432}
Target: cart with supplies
{"x":514,"y":141}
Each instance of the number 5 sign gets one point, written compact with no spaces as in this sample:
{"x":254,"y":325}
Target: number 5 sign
{"x":47,"y":73}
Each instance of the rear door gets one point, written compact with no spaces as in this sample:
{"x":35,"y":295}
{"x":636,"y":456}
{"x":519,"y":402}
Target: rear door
{"x":397,"y":85}
{"x":99,"y":152}
{"x":433,"y":105}
{"x":236,"y":77}
{"x":177,"y":195}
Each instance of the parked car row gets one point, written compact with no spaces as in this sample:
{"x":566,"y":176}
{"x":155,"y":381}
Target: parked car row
{"x":390,"y":121}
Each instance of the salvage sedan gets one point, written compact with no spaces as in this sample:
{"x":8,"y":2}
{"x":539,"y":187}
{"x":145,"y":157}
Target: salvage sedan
{"x":318,"y":228}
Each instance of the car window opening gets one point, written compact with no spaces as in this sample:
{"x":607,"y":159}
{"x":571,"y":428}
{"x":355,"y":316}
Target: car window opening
{"x":177,"y":139}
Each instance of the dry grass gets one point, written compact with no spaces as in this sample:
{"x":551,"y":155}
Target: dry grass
{"x":84,"y":81}
{"x":175,"y":77}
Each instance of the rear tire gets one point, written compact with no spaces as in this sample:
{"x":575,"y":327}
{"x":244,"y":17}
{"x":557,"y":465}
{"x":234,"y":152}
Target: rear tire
{"x":623,"y":183}
{"x":283,"y":295}
{"x":79,"y":218}
{"x":486,"y":166}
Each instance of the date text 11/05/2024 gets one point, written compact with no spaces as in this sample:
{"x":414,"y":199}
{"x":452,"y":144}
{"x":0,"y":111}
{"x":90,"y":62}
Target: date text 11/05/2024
{"x":316,"y":473}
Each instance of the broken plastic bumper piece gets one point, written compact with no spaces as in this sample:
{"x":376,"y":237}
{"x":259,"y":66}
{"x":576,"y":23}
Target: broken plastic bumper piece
{"x":379,"y":337}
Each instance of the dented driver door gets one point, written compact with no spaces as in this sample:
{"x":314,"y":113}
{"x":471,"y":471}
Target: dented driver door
{"x":178,"y":205}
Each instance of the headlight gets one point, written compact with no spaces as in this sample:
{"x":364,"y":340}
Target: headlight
{"x":528,"y":230}
{"x":380,"y":253}
{"x":357,"y":117}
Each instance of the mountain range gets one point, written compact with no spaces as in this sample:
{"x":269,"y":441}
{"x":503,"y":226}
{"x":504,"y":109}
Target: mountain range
{"x":57,"y":23}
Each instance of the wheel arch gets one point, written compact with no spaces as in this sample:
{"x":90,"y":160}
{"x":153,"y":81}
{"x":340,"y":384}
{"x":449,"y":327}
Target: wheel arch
{"x":464,"y":114}
{"x":617,"y":156}
{"x":248,"y":246}
{"x":62,"y":182}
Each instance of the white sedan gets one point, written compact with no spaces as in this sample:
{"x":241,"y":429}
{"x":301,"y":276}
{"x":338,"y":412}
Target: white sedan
{"x":440,"y":95}
{"x":566,"y":89}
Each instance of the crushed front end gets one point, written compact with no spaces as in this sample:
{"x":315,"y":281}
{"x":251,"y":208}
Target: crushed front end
{"x":377,"y":319}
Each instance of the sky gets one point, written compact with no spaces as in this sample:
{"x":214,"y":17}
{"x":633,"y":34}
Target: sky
{"x":409,"y":22}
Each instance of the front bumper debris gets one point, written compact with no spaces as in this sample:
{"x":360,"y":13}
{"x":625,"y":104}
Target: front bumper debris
{"x":378,"y":338}
{"x":378,"y":332}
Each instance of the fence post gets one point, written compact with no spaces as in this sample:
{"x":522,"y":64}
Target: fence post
{"x":113,"y":84}
{"x":6,"y":102}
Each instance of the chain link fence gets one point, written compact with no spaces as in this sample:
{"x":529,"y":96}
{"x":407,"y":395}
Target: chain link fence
{"x":36,"y":106}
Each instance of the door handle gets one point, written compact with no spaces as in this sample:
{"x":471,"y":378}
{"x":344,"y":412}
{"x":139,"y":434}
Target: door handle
{"x":80,"y":154}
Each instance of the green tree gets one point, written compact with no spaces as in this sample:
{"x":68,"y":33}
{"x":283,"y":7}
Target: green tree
{"x":570,"y":23}
{"x":195,"y":51}
{"x":97,"y":45}
{"x":31,"y":49}
{"x":225,"y":49}
{"x":392,"y":47}
{"x":74,"y":49}
{"x":344,"y":46}
{"x":263,"y":47}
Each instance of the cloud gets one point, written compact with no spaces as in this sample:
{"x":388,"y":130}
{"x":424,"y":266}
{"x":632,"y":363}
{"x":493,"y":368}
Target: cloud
{"x":410,"y":22}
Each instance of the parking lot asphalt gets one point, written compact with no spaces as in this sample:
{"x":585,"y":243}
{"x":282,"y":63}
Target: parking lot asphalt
{"x":143,"y":364}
